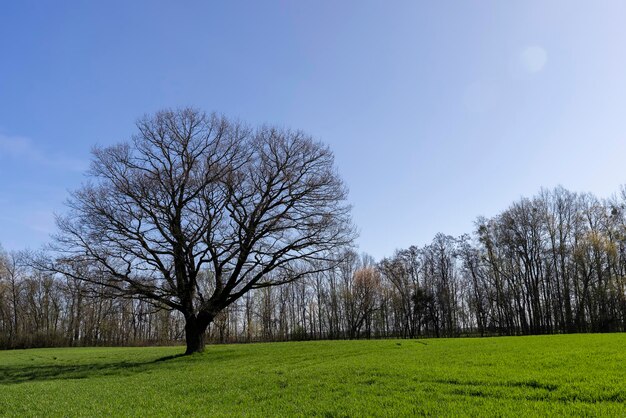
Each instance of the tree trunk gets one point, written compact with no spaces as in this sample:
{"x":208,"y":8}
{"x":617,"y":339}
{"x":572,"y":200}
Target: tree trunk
{"x":195,"y":327}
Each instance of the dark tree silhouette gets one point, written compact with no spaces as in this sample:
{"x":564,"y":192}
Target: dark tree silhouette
{"x":197,"y":210}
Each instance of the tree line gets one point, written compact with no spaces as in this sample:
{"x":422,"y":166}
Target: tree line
{"x":553,"y":263}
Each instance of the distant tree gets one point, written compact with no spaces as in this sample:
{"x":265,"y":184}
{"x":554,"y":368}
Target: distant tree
{"x":12,"y":271}
{"x":474,"y":273}
{"x":365,"y":290}
{"x":197,"y":210}
{"x":401,"y":271}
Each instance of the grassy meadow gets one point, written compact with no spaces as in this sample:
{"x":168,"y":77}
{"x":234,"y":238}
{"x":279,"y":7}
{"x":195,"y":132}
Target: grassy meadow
{"x":516,"y":376}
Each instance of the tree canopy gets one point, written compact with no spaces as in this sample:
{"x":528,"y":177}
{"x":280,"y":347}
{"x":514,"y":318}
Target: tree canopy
{"x":196,"y":210}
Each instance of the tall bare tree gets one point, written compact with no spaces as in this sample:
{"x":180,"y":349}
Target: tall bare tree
{"x":197,"y":210}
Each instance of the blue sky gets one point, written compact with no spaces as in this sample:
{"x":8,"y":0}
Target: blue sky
{"x":437,"y":111}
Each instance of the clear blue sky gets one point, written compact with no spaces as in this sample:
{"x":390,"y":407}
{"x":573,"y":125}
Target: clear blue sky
{"x":437,"y":111}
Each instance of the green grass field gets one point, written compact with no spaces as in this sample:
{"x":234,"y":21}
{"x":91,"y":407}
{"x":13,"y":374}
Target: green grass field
{"x":520,"y":376}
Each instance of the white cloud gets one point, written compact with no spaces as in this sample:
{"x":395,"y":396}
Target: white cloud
{"x":533,"y":59}
{"x":24,"y":149}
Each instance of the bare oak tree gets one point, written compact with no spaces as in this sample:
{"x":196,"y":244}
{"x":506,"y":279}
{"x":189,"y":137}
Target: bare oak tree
{"x":197,"y":210}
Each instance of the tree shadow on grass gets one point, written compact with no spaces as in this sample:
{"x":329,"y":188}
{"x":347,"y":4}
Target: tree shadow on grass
{"x":31,"y":373}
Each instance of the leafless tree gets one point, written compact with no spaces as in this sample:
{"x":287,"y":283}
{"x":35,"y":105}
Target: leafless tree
{"x":197,"y":210}
{"x":365,"y":291}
